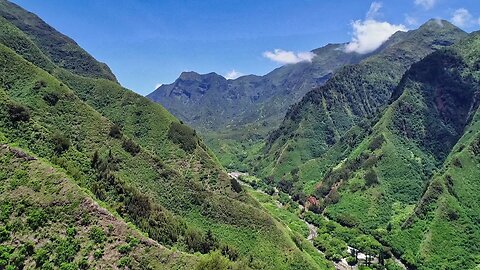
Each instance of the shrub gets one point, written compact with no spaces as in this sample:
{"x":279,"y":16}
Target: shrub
{"x":41,"y":257}
{"x":18,"y":112}
{"x":71,"y":232}
{"x":51,"y":98}
{"x":4,"y":234}
{"x":65,"y":250}
{"x":68,"y":266}
{"x":347,"y":220}
{"x":371,"y":178}
{"x":98,"y":254}
{"x":475,"y":147}
{"x":213,"y":261}
{"x":351,"y":260}
{"x":457,"y":163}
{"x":39,"y":84}
{"x":125,"y":262}
{"x":60,"y":143}
{"x":97,"y":235}
{"x":230,"y":252}
{"x":235,"y":185}
{"x":115,"y":131}
{"x":130,"y":146}
{"x":333,"y":197}
{"x":184,"y":136}
{"x":83,"y":264}
{"x":376,"y":142}
{"x":36,"y":218}
{"x":5,"y":211}
{"x":124,"y":249}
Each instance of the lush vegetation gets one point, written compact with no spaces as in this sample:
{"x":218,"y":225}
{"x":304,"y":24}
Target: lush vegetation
{"x":234,"y":116}
{"x":353,"y":94}
{"x":130,"y":154}
{"x":382,"y":160}
{"x":48,"y":222}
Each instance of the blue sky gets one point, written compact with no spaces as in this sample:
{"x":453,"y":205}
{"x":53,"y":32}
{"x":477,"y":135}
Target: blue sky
{"x":148,"y":42}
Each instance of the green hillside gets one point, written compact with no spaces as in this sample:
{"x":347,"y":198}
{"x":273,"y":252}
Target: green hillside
{"x":447,"y":213}
{"x":48,"y":222}
{"x":61,"y":50}
{"x":378,"y":166}
{"x":129,"y":153}
{"x":426,"y":137}
{"x":354,"y":93}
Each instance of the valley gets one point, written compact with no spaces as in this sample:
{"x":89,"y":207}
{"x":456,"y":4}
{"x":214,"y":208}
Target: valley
{"x":337,"y":159}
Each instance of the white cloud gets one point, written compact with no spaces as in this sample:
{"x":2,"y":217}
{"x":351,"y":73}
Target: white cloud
{"x":426,"y":4}
{"x":370,"y":34}
{"x":158,"y":85}
{"x":233,"y":74}
{"x":288,"y":57}
{"x":462,"y":17}
{"x":410,"y":20}
{"x":374,"y":10}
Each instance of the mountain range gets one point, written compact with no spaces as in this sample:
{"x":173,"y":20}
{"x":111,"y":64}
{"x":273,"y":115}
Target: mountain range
{"x":365,"y":161}
{"x":242,"y":111}
{"x":387,"y":144}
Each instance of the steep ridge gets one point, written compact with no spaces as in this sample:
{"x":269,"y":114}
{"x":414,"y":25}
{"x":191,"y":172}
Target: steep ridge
{"x":427,"y":136}
{"x":355,"y":93}
{"x":443,"y":227}
{"x":62,"y":50}
{"x":135,"y":157}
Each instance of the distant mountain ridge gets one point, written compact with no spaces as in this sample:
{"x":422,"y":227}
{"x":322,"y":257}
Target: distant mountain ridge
{"x":211,"y":102}
{"x":236,"y":115}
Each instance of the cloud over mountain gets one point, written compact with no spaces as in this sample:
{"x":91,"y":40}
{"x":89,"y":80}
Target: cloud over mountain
{"x":288,"y":57}
{"x":462,"y":17}
{"x":370,"y":33}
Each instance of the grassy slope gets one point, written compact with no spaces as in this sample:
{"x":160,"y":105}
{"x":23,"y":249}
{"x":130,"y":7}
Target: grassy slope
{"x":355,"y":92}
{"x":419,"y":129}
{"x":43,"y":210}
{"x":62,"y":50}
{"x":292,"y":222}
{"x":158,"y":176}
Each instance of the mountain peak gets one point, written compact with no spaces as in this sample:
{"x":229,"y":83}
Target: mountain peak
{"x":437,"y":24}
{"x":188,"y":75}
{"x":192,"y":75}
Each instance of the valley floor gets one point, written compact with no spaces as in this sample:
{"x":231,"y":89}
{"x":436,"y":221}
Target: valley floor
{"x":293,"y":218}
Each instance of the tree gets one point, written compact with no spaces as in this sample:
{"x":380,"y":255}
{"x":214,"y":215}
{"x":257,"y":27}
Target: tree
{"x":235,"y":185}
{"x":130,"y":146}
{"x":213,"y":261}
{"x":115,"y":131}
{"x":60,"y":143}
{"x":371,"y":178}
{"x":18,"y":112}
{"x":285,"y":186}
{"x":367,"y":245}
